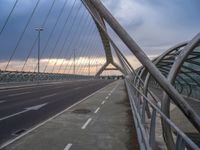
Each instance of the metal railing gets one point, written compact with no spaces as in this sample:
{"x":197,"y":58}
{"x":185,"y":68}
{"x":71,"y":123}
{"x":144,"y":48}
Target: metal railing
{"x":147,"y":134}
{"x":14,"y":76}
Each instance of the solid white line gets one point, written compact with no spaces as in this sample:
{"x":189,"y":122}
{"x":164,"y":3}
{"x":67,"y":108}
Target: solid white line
{"x":96,"y":110}
{"x":107,"y":97}
{"x":2,"y":101}
{"x":102,"y":102}
{"x":17,"y":94}
{"x":68,"y":146}
{"x":35,"y":85}
{"x":4,"y":118}
{"x":47,"y":96}
{"x":41,"y":124}
{"x":86,"y":123}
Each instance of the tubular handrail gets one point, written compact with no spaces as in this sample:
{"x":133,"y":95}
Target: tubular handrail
{"x":148,"y":137}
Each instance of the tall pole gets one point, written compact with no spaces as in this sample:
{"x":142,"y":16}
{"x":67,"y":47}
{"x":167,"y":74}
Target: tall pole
{"x":96,"y":67}
{"x":39,"y":30}
{"x":74,"y":70}
{"x":89,"y":67}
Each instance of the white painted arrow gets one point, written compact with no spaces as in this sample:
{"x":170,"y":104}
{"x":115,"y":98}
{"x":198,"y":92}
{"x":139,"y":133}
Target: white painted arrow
{"x":37,"y":107}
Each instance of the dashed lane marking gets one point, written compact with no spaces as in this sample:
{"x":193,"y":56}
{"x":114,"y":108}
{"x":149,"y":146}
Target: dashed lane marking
{"x":102,"y":102}
{"x":17,"y":94}
{"x":47,"y":96}
{"x":96,"y":111}
{"x":68,"y":146}
{"x":86,"y":123}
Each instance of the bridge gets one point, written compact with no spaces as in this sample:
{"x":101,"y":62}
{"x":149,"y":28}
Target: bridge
{"x":66,"y":82}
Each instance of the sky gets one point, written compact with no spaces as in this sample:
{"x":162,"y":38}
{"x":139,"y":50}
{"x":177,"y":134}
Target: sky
{"x":155,"y":25}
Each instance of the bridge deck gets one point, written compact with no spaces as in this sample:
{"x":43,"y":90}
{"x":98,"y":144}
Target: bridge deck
{"x":102,"y":121}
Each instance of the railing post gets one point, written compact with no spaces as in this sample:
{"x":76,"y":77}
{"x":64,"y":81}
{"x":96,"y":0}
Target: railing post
{"x":152,"y":133}
{"x":180,"y":144}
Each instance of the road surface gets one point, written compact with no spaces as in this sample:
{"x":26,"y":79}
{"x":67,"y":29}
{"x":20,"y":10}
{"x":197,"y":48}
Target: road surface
{"x":25,"y":107}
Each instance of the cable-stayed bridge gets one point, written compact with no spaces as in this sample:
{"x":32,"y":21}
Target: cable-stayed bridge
{"x":56,"y":53}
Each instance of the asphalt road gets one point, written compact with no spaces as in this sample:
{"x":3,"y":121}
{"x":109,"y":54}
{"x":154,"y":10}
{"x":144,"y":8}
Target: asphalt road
{"x":25,"y":107}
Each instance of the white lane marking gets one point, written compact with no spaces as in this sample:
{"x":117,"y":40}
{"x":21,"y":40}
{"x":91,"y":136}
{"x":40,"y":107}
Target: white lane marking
{"x":17,"y":94}
{"x":86,"y":123}
{"x":2,"y":89}
{"x":68,"y":146}
{"x":47,"y":120}
{"x":96,"y":110}
{"x":47,"y":96}
{"x":2,"y":101}
{"x":102,"y":102}
{"x":58,"y":87}
{"x":107,"y":97}
{"x":26,"y":109}
{"x":115,"y":87}
{"x":109,"y":94}
{"x":77,"y":88}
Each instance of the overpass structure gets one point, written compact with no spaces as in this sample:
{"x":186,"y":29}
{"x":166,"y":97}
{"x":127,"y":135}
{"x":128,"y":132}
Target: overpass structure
{"x":172,"y":78}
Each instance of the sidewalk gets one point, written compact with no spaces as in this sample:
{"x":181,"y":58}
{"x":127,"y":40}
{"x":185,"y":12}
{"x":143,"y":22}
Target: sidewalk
{"x":102,"y":121}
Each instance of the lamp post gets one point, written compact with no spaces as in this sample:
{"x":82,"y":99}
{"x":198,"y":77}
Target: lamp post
{"x":39,"y":29}
{"x":74,"y":70}
{"x":89,"y":67}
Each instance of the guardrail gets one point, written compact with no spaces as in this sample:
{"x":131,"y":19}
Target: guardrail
{"x":147,"y":135}
{"x":14,"y":76}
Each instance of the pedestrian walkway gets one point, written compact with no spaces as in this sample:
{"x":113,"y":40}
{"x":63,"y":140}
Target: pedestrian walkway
{"x":102,"y":121}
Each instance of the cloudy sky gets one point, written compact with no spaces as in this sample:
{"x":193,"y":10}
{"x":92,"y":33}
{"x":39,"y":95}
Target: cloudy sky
{"x":155,"y":25}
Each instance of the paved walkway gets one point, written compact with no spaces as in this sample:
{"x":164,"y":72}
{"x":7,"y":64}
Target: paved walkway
{"x":102,"y":121}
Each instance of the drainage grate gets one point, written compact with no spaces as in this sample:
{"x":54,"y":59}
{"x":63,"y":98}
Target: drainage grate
{"x":82,"y":111}
{"x":19,"y":132}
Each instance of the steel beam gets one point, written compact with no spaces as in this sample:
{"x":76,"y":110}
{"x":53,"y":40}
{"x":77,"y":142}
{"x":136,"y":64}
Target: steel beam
{"x":105,"y":40}
{"x":142,"y":57}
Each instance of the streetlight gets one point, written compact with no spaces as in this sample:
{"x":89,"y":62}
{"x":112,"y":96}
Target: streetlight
{"x":39,"y":29}
{"x":74,"y":70}
{"x":89,"y":67}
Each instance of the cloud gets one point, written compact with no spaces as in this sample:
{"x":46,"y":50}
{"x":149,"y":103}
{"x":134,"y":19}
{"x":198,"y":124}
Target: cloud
{"x":157,"y":25}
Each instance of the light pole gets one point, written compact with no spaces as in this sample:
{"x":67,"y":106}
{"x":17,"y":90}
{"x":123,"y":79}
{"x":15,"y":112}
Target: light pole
{"x":74,"y":70}
{"x":89,"y":67}
{"x":39,"y":29}
{"x":96,"y":67}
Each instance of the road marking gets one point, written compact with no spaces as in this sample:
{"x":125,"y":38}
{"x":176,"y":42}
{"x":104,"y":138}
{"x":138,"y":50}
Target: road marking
{"x":47,"y":120}
{"x":86,"y":123}
{"x":102,"y":102}
{"x":68,"y":146}
{"x":47,"y":96}
{"x":115,"y":87}
{"x":96,"y":110}
{"x":2,"y":101}
{"x":58,"y":87}
{"x":109,"y":94}
{"x":17,"y":94}
{"x":26,"y":110}
{"x":107,"y":97}
{"x":77,"y":88}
